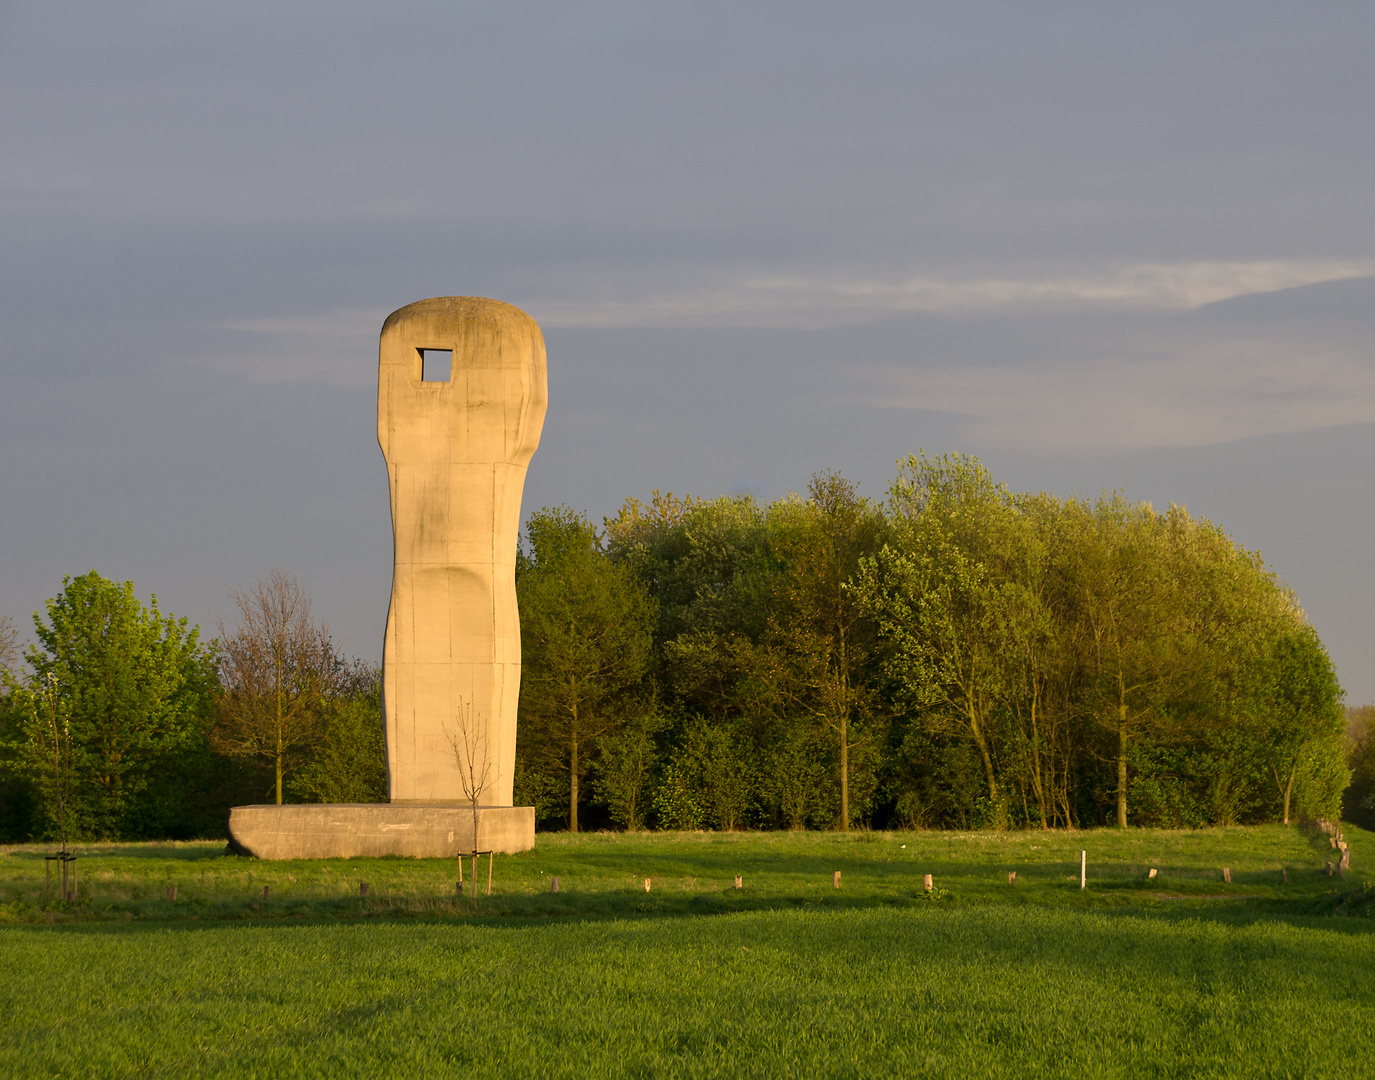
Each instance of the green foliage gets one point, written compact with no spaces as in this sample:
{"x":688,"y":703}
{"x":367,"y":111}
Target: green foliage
{"x":968,"y":657}
{"x":625,"y":767}
{"x":794,"y":776}
{"x":1358,"y":801}
{"x":712,"y":778}
{"x":586,"y":632}
{"x":111,"y":711}
{"x":350,"y":763}
{"x":677,"y":803}
{"x":960,"y":656}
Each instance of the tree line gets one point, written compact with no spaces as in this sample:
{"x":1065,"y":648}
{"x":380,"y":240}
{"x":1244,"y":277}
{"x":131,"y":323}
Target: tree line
{"x":955,"y":656}
{"x":958,"y":656}
{"x":119,"y":722}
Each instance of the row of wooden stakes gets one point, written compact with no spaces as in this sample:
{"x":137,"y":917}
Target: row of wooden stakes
{"x":926,"y":882}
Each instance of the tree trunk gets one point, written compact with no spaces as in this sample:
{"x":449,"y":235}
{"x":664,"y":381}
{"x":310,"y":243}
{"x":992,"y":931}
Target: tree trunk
{"x":573,"y":786}
{"x":844,"y":773}
{"x":1288,"y":790}
{"x":976,"y":729}
{"x":278,"y":659}
{"x":1122,"y":769}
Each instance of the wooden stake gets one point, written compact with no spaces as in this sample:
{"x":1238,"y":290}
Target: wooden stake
{"x":926,"y":882}
{"x":553,"y":884}
{"x":1284,"y":877}
{"x":171,"y":894}
{"x":739,"y":882}
{"x":265,"y":892}
{"x":1153,"y":872}
{"x":1329,"y":868}
{"x":836,"y":879}
{"x":460,"y":873}
{"x":1083,"y":869}
{"x":646,"y":884}
{"x":362,"y":890}
{"x":1227,"y":874}
{"x":1012,"y":877}
{"x":490,"y":856}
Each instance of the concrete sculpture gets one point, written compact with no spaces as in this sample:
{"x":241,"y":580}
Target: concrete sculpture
{"x":456,"y":448}
{"x":456,"y":455}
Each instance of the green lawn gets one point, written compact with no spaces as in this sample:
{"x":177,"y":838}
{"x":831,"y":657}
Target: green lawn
{"x":1182,"y":975}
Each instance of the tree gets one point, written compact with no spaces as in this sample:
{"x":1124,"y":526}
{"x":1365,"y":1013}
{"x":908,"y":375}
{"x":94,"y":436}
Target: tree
{"x":467,"y":739}
{"x":945,"y":592}
{"x":586,"y":630}
{"x":279,"y":672}
{"x":127,"y":689}
{"x":1132,"y":611}
{"x":1358,"y":801}
{"x":9,"y":646}
{"x":625,"y":766}
{"x":1297,"y":703}
{"x":818,"y":622}
{"x":349,"y":763}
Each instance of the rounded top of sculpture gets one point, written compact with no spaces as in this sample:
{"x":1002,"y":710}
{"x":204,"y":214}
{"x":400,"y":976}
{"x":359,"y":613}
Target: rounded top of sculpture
{"x":459,"y":310}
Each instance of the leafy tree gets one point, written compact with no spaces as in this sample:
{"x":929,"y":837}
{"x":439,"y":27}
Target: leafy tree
{"x":945,"y":595}
{"x":793,"y":777}
{"x":586,"y":633}
{"x":127,"y":692}
{"x":349,"y":764}
{"x":1132,"y":612}
{"x":1358,"y":801}
{"x":280,"y":674}
{"x":1295,"y":705}
{"x":625,"y":768}
{"x":827,"y":637}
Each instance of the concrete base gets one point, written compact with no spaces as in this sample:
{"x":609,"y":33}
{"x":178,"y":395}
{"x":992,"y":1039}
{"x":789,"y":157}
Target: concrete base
{"x":367,"y":830}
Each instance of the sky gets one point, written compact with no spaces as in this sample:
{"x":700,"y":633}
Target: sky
{"x":1102,"y":247}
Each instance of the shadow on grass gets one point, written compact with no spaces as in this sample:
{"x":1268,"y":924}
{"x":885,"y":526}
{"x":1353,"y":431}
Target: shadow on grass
{"x":515,"y":911}
{"x":1299,"y":914}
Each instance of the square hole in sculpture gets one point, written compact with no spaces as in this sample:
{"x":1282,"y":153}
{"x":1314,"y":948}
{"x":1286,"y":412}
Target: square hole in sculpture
{"x":436,"y":365}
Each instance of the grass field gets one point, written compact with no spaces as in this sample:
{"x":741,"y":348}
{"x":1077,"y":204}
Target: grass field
{"x":1181,"y":975}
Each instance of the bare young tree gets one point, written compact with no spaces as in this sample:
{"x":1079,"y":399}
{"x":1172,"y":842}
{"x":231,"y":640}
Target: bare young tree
{"x":467,"y":738}
{"x":9,"y":645}
{"x":279,"y":671}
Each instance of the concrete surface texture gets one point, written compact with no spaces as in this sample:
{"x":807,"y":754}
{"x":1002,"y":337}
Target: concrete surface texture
{"x":456,"y":454}
{"x":360,"y":830}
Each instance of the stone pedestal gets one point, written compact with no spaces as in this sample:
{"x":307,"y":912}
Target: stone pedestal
{"x":369,"y":830}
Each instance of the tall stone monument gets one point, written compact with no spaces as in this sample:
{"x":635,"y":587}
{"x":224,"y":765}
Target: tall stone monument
{"x":456,"y":455}
{"x":457,"y":443}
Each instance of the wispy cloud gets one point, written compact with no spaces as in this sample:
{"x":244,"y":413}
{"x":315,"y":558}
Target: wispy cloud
{"x":338,"y":347}
{"x":1148,"y":378}
{"x":1189,"y":393}
{"x":832,"y":299}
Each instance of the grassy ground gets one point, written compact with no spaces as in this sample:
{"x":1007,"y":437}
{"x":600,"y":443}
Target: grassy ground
{"x":1183,"y":975}
{"x":602,"y":875}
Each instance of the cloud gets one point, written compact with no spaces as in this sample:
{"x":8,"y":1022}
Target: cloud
{"x":1070,"y":363}
{"x":827,"y":300}
{"x":1180,"y":389}
{"x":338,"y":347}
